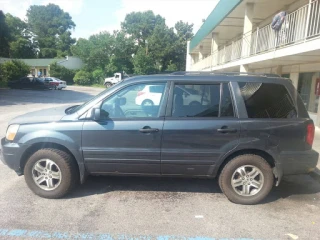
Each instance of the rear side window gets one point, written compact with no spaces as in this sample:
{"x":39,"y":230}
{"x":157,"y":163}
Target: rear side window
{"x":267,"y":100}
{"x":205,"y":100}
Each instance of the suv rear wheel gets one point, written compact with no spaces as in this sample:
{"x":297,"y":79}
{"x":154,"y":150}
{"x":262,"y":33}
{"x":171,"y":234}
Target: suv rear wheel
{"x":51,"y":173}
{"x":246,"y":179}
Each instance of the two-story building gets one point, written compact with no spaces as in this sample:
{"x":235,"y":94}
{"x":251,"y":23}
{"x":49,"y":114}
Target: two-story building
{"x":238,"y":36}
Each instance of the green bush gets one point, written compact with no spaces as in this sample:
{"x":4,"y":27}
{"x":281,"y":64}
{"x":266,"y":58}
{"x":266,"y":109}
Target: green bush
{"x":62,"y":73}
{"x":13,"y":70}
{"x":98,"y":76}
{"x":83,"y":78}
{"x":1,"y":73}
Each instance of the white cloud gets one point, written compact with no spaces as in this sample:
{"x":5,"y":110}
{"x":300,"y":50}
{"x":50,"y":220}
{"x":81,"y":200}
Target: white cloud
{"x":192,"y":11}
{"x":17,"y":8}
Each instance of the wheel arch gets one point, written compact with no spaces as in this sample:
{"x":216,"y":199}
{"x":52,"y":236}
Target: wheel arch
{"x":265,"y":155}
{"x":40,"y":145}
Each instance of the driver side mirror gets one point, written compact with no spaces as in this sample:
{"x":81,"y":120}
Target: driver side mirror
{"x":95,"y":114}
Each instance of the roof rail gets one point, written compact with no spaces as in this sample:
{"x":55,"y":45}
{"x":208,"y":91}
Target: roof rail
{"x":183,"y":73}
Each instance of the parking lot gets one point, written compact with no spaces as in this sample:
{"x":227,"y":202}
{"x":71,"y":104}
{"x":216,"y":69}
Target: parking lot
{"x":145,"y":208}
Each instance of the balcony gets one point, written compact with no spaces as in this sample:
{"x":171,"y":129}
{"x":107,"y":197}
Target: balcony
{"x":299,"y":26}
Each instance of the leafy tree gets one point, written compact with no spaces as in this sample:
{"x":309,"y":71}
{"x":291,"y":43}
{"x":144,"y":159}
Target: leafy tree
{"x":13,"y":70}
{"x":172,"y":67}
{"x":98,"y":76}
{"x":96,"y":51}
{"x":123,"y":48}
{"x":4,"y":36}
{"x":143,"y":63}
{"x":82,"y":49}
{"x":108,"y":52}
{"x":166,"y":46}
{"x":83,"y":78}
{"x":62,"y":73}
{"x":21,"y":43}
{"x":52,"y":26}
{"x":161,"y":46}
{"x":140,"y":25}
{"x":144,"y":45}
{"x":2,"y":79}
{"x":185,"y":33}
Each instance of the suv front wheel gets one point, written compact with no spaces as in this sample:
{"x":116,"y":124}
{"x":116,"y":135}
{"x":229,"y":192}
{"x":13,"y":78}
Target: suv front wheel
{"x":51,"y":173}
{"x":246,"y":179}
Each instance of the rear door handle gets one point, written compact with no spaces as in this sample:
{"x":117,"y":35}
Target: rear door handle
{"x":227,"y":130}
{"x":148,"y":130}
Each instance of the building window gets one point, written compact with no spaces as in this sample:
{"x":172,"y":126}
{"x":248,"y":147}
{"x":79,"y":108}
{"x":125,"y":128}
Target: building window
{"x":45,"y":72}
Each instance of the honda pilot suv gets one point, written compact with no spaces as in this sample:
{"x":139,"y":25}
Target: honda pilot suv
{"x":246,"y":130}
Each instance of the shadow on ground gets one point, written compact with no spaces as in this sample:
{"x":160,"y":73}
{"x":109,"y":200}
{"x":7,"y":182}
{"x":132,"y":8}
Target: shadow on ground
{"x":290,"y":186}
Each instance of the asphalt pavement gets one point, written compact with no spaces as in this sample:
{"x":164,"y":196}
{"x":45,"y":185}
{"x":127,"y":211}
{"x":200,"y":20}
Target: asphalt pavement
{"x":144,"y":207}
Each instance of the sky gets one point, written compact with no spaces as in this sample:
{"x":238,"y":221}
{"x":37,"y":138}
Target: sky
{"x":94,"y":16}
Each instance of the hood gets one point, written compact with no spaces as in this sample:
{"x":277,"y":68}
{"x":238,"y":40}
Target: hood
{"x":46,"y":115}
{"x":110,"y":78}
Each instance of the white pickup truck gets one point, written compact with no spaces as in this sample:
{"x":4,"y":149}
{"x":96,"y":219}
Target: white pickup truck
{"x":118,"y":77}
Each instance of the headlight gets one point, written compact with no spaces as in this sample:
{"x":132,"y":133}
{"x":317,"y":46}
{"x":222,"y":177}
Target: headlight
{"x":12,"y":131}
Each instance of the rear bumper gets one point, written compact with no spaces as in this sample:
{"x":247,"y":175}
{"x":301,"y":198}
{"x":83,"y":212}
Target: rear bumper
{"x":298,"y":162}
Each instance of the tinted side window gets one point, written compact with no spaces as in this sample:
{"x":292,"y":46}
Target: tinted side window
{"x":267,"y":100}
{"x":202,"y":101}
{"x":131,"y":102}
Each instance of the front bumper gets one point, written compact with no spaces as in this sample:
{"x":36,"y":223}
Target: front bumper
{"x":298,"y":162}
{"x":11,"y":155}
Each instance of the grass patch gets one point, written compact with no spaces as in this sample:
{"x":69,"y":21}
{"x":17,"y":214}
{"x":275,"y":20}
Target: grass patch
{"x":98,"y":85}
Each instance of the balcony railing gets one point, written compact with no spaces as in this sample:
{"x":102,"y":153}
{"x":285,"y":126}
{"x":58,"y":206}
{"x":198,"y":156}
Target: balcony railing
{"x":300,"y":25}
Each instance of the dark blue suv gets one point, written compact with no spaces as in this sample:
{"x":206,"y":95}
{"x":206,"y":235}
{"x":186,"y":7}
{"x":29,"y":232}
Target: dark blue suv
{"x":248,"y":130}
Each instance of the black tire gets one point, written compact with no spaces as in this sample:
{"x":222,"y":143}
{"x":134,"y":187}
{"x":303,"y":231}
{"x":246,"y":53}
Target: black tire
{"x":227,"y":172}
{"x":67,"y":165}
{"x":147,"y":103}
{"x":108,"y":84}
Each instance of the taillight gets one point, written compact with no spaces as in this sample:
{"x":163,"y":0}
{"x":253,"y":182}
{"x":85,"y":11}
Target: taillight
{"x":140,"y":93}
{"x":310,"y":134}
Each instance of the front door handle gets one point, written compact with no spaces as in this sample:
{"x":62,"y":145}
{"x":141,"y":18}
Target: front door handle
{"x":227,"y":130}
{"x":148,"y":130}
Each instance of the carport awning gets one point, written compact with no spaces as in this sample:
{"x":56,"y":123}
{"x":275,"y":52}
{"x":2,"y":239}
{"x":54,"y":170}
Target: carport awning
{"x":222,"y":10}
